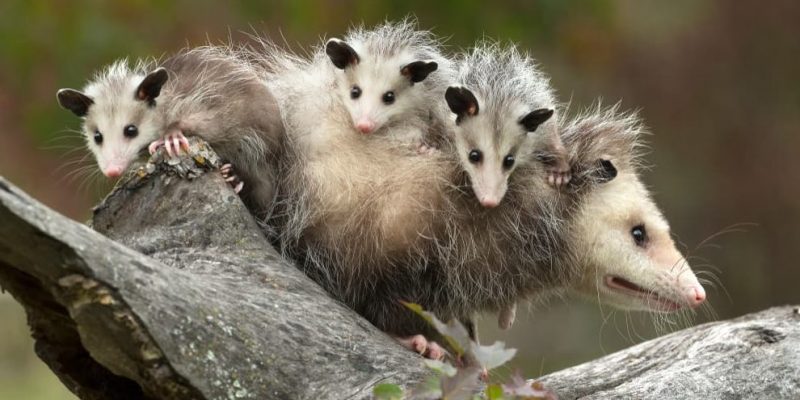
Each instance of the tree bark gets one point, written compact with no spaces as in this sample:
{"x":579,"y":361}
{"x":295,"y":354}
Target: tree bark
{"x":756,"y":356}
{"x":177,"y":294}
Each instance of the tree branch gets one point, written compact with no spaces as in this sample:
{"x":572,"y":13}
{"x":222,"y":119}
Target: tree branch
{"x":205,"y":309}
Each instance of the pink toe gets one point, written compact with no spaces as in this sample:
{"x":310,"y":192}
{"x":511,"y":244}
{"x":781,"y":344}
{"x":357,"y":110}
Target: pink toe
{"x":435,"y":352}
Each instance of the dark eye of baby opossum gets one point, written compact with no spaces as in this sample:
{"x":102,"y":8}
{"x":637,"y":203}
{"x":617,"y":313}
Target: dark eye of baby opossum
{"x":98,"y":137}
{"x":355,"y":92}
{"x":388,"y":98}
{"x":508,"y":161}
{"x":130,"y":131}
{"x":475,"y":156}
{"x":639,"y":235}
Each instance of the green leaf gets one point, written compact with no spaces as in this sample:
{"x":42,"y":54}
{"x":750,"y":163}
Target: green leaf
{"x":494,"y":392}
{"x":387,"y":391}
{"x":430,"y":389}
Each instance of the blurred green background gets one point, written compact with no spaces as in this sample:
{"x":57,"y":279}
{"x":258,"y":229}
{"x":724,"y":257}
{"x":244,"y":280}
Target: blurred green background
{"x":717,"y":81}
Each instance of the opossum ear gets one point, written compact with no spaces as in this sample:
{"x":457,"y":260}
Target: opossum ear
{"x":606,"y":171}
{"x":417,"y":71}
{"x":461,"y":102}
{"x":341,"y":54}
{"x":151,"y":85}
{"x":533,"y":119}
{"x":74,"y":101}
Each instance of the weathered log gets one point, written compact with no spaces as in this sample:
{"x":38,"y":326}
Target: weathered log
{"x":756,"y":356}
{"x":189,"y":300}
{"x":185,"y":298}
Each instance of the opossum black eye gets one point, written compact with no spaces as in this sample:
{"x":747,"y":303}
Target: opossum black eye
{"x":355,"y":92}
{"x":98,"y":137}
{"x":475,"y":156}
{"x":639,"y":235}
{"x":388,"y":98}
{"x":508,"y":161}
{"x":130,"y":131}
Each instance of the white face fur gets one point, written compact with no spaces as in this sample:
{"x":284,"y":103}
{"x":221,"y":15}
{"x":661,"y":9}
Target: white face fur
{"x":117,"y":124}
{"x":630,"y":259}
{"x":378,"y":91}
{"x":492,"y":143}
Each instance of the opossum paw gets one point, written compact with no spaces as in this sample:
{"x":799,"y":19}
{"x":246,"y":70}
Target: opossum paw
{"x":419,"y":344}
{"x":426,"y":150}
{"x":559,"y":177}
{"x":175,"y":142}
{"x":227,"y":173}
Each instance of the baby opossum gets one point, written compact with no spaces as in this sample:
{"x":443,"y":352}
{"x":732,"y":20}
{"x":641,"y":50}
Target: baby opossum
{"x":354,"y":206}
{"x":331,"y":170}
{"x":505,"y":119}
{"x":391,"y":79}
{"x":206,"y":91}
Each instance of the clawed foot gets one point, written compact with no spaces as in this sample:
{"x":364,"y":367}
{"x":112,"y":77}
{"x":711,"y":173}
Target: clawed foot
{"x":426,"y":150}
{"x":231,"y":177}
{"x":419,"y":344}
{"x":174,"y":142}
{"x":559,"y":174}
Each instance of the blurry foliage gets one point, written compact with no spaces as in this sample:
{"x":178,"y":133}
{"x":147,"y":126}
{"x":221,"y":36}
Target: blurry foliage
{"x":716,"y":81}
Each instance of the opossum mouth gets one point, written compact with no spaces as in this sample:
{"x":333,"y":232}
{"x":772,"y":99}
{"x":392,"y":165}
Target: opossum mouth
{"x":652,"y":299}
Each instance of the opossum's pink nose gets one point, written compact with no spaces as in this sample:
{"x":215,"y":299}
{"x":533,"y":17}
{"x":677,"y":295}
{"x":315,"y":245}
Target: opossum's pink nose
{"x":365,"y":126}
{"x":489,"y":202}
{"x":114,"y":171}
{"x":696,"y":296}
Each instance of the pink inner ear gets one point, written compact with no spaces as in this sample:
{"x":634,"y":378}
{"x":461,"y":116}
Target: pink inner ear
{"x":472,"y":110}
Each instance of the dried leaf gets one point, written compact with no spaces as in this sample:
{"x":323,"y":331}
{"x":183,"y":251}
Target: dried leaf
{"x":463,"y":385}
{"x":526,"y":389}
{"x":493,"y":356}
{"x":453,"y":332}
{"x":441,"y":367}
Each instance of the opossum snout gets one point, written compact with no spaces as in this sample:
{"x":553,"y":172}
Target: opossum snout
{"x":695,"y":296}
{"x":113,"y":171}
{"x":489,"y":201}
{"x":365,"y":125}
{"x":115,"y":168}
{"x":489,"y":187}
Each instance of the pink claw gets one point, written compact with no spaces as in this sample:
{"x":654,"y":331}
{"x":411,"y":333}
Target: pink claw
{"x":175,"y":142}
{"x":238,"y":188}
{"x":155,"y":145}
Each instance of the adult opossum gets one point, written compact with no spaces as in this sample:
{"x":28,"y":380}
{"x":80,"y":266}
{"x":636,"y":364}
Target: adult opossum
{"x":601,"y":235}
